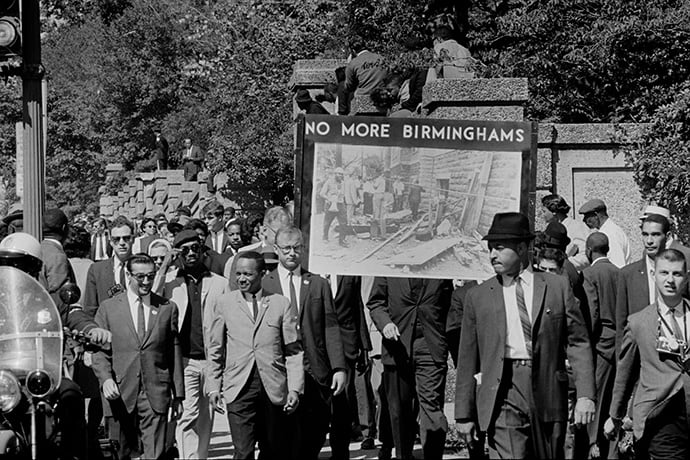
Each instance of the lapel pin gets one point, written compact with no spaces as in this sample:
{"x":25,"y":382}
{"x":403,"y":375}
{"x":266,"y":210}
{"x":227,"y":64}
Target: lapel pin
{"x":154,"y":312}
{"x":548,"y":311}
{"x":306,"y":282}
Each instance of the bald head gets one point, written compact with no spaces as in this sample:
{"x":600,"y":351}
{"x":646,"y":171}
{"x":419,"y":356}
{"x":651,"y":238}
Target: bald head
{"x":597,"y":245}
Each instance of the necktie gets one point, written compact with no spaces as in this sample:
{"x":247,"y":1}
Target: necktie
{"x":524,"y":316}
{"x":293,"y":294}
{"x":677,"y":333}
{"x":121,"y":276}
{"x":141,"y":324}
{"x":255,"y":307}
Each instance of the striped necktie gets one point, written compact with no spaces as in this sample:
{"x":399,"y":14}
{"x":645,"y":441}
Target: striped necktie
{"x":524,"y":316}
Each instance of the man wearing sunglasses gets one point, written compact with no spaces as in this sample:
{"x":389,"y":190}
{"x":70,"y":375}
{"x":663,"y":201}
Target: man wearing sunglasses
{"x":191,"y":287}
{"x":142,"y":374}
{"x":107,"y":277}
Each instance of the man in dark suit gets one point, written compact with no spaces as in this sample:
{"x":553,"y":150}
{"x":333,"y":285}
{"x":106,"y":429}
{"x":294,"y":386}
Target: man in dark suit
{"x":57,"y":270}
{"x":518,"y":328}
{"x":324,"y":360}
{"x":250,"y":331}
{"x":192,"y":160}
{"x":600,"y":285}
{"x":655,"y":350}
{"x":411,"y":315}
{"x":162,"y":149}
{"x":356,"y":345}
{"x":217,"y":238}
{"x":107,"y":277}
{"x":636,"y":282}
{"x":100,"y":242}
{"x":142,"y":373}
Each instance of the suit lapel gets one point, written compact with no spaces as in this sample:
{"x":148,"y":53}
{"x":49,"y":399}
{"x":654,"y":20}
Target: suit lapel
{"x":205,"y":286}
{"x":643,"y":282}
{"x":304,"y":292}
{"x":123,"y":314}
{"x":242,"y":304}
{"x":272,"y":283}
{"x":538,"y":292}
{"x":263,"y":306}
{"x":498,"y":316}
{"x":154,"y":314}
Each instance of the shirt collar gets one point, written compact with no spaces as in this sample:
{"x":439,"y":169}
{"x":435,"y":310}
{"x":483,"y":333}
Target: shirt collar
{"x":649,"y":262}
{"x":132,"y":297}
{"x":598,"y":259}
{"x":53,"y":240}
{"x":284,"y":273}
{"x":526,"y":275}
{"x":664,"y":309}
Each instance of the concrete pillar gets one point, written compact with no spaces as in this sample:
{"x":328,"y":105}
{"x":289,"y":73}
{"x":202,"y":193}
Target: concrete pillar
{"x":312,"y":75}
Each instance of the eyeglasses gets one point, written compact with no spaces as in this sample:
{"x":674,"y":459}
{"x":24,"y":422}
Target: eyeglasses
{"x":287,"y":249}
{"x":117,"y":239}
{"x":143,"y":276}
{"x":184,"y":250}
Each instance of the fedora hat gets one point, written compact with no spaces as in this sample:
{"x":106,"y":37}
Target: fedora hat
{"x":509,"y":226}
{"x":302,"y":96}
{"x":556,"y":235}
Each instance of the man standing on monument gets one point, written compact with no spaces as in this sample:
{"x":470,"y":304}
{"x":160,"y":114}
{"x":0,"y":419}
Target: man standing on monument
{"x":595,"y":216}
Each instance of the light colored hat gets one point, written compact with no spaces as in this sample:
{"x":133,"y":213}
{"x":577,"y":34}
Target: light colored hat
{"x":661,"y":211}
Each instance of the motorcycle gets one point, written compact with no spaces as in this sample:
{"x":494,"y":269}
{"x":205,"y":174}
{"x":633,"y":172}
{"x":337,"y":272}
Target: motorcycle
{"x":31,"y":365}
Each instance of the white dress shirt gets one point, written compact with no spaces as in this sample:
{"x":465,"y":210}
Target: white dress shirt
{"x":619,"y":245}
{"x":284,"y":276}
{"x":250,"y":303}
{"x":578,"y":233}
{"x":101,"y":250}
{"x":649,"y":268}
{"x":515,"y":339}
{"x":133,"y":299}
{"x":116,"y":271}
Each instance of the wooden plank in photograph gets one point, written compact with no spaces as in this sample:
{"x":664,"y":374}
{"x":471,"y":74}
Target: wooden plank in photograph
{"x":422,"y":253}
{"x":479,"y":189}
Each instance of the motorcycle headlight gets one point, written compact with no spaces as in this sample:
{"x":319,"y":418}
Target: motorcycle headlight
{"x":10,"y":391}
{"x":38,"y":383}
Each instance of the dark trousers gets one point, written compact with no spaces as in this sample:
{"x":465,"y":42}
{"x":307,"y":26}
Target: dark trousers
{"x":343,"y":406}
{"x":666,"y":432}
{"x":314,"y":416}
{"x":516,"y":431}
{"x":604,"y":376}
{"x":427,"y":379}
{"x":341,"y":215}
{"x":254,"y":418}
{"x":414,"y":207}
{"x":71,"y":422}
{"x":141,"y":433}
{"x":191,"y":170}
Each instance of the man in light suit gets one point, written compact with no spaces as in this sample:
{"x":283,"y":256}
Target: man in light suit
{"x":192,"y":287}
{"x":518,"y":328}
{"x":255,"y":362}
{"x":142,"y":373}
{"x":411,"y":314}
{"x":100,"y":242}
{"x":636,"y":282}
{"x":600,"y":285}
{"x":324,"y":361}
{"x":655,"y":350}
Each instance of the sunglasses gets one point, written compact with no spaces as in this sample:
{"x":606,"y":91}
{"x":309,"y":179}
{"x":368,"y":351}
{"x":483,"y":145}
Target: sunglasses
{"x":117,"y":239}
{"x":184,"y":250}
{"x":143,"y":276}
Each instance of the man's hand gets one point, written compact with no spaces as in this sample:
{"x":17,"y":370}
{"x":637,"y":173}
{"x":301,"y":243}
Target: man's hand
{"x":467,"y":432}
{"x":110,"y":390}
{"x":177,"y":408}
{"x":391,"y":332}
{"x":100,"y":336}
{"x":338,"y":383}
{"x":611,"y":428}
{"x":216,"y":400}
{"x":292,"y":402}
{"x":584,"y":411}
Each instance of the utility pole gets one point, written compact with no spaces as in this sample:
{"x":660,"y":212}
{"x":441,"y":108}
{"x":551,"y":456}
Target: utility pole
{"x":32,"y":113}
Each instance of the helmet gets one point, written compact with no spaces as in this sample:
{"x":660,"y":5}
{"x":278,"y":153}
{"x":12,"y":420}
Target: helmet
{"x":22,"y":251}
{"x":20,"y":244}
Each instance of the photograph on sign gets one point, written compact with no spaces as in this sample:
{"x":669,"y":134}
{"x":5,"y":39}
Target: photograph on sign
{"x":382,"y":209}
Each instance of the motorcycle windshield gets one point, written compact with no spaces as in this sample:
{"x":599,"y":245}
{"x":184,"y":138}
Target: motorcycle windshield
{"x":30,"y":327}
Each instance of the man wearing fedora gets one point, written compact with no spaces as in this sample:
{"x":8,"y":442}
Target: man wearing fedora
{"x":555,"y":208}
{"x":596,"y":217}
{"x":518,"y":328}
{"x":333,"y":192}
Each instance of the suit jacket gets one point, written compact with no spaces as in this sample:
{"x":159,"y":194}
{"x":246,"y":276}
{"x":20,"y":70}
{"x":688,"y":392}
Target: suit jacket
{"x":350,"y":311}
{"x":212,"y":288}
{"x":237,"y":342}
{"x":225,"y":242}
{"x":558,"y":331}
{"x":156,"y":361}
{"x":318,"y":321}
{"x":364,"y":73}
{"x":196,"y":155}
{"x":632,"y":295}
{"x":600,"y":285}
{"x":100,"y":281}
{"x":56,"y":271}
{"x":660,"y":375}
{"x":392,"y":301}
{"x":107,"y":247}
{"x":454,"y":319}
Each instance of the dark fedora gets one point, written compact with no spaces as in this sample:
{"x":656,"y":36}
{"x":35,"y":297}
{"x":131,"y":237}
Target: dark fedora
{"x":302,"y":96}
{"x":556,"y":235}
{"x":509,"y":226}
